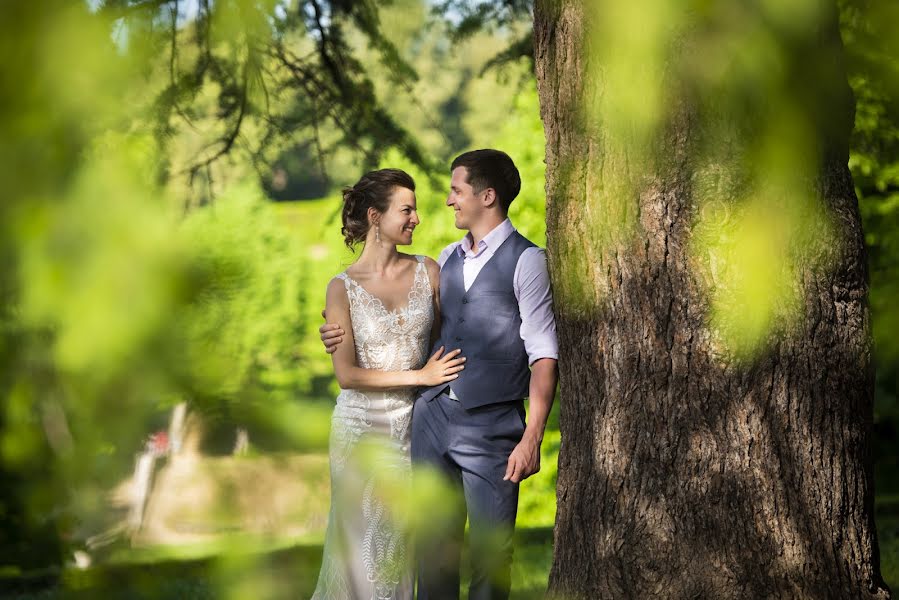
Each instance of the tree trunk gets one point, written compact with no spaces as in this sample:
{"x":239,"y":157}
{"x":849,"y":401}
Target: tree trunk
{"x":684,"y":473}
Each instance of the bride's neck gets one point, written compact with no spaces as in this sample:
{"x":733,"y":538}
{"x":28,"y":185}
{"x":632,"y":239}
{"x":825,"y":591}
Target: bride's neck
{"x":378,"y":259}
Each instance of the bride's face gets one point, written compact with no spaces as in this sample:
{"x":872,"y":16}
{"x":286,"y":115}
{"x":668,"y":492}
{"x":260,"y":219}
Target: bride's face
{"x":400,"y":218}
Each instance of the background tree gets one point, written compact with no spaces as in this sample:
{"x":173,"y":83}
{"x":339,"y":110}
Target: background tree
{"x":711,"y":281}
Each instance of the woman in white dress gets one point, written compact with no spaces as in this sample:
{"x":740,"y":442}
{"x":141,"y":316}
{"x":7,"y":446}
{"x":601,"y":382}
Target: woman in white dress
{"x":387,"y":302}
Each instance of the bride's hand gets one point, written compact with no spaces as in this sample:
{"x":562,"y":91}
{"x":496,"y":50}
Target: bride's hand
{"x":441,"y":369}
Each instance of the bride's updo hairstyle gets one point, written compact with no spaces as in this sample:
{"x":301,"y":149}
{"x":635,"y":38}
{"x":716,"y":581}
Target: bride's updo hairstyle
{"x":371,"y":191}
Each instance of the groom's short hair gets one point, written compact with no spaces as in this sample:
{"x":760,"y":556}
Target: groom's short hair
{"x":489,"y":168}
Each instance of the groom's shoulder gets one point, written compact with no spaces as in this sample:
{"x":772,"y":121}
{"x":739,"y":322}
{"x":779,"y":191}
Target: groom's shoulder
{"x":525,"y":245}
{"x":521,"y":237}
{"x":446,"y":252}
{"x":532,"y":255}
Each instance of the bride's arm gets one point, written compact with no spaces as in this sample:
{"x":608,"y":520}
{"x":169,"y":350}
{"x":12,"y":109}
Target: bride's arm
{"x":439,"y":369}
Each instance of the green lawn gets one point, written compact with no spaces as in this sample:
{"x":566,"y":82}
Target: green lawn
{"x":280,"y":574}
{"x":240,"y":566}
{"x":243,"y":566}
{"x":290,"y":572}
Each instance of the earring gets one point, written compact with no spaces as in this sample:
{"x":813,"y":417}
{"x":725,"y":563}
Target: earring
{"x":378,"y":234}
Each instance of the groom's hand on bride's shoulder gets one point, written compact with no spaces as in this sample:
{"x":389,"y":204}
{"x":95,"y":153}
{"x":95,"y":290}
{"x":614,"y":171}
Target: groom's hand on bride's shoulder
{"x":331,"y":335}
{"x":524,"y":460}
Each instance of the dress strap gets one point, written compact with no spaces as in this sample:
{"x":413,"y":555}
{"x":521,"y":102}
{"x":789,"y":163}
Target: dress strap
{"x":346,"y":279}
{"x":421,"y":273}
{"x":420,"y":267}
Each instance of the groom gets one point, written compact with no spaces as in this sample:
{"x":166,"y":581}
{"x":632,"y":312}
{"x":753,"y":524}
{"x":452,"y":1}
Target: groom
{"x":496,"y":305}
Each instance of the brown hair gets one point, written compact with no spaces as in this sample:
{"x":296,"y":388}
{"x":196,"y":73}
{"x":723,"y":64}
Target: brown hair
{"x":371,"y":191}
{"x":491,"y":169}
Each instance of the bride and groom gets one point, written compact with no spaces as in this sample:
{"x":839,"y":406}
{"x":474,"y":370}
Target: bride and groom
{"x":484,"y":309}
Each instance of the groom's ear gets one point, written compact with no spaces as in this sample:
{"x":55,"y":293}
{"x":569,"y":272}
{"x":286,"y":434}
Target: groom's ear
{"x":490,"y":197}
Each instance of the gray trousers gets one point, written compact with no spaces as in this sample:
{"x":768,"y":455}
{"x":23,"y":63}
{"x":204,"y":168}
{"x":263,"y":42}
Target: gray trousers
{"x":471,"y":449}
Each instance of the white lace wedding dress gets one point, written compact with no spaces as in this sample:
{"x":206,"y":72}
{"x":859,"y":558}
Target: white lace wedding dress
{"x":366,"y":552}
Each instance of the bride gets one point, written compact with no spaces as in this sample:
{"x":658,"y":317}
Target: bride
{"x":387,"y":302}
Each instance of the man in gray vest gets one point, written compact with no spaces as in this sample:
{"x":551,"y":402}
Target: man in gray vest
{"x":496,"y":306}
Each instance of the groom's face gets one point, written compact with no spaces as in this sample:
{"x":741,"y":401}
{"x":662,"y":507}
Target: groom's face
{"x":467,"y":204}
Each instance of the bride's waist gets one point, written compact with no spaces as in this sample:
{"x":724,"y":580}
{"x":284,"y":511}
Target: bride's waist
{"x":387,"y":362}
{"x":372,"y":398}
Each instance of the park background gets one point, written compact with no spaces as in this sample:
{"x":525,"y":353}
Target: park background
{"x":155,"y":259}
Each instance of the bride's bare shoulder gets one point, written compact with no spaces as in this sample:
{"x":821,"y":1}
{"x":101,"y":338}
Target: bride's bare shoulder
{"x":433,"y":271}
{"x":336,"y":291}
{"x":431,"y":264}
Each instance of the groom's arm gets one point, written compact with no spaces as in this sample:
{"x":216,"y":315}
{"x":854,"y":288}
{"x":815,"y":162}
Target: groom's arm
{"x":544,"y":376}
{"x":538,"y":331}
{"x":525,"y":458}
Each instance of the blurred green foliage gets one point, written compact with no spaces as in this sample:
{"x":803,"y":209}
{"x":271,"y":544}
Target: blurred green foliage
{"x":89,"y":274}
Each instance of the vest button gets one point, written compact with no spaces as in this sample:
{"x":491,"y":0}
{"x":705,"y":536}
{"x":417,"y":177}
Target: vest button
{"x":458,"y":339}
{"x":461,"y":320}
{"x":464,"y":300}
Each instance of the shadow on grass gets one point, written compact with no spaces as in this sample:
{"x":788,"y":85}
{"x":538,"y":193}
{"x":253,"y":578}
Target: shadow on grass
{"x":291,"y":572}
{"x":887,"y":517}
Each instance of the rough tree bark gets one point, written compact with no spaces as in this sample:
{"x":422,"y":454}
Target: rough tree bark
{"x":683,"y":474}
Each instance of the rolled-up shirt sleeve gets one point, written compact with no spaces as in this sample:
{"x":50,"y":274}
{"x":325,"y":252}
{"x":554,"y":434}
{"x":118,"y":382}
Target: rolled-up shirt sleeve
{"x":535,"y":303}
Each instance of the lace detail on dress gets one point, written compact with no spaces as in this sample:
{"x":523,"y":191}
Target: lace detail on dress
{"x":391,"y":340}
{"x":383,"y":551}
{"x":377,"y":563}
{"x":349,"y":422}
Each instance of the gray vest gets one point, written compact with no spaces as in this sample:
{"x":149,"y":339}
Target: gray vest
{"x":485,"y":323}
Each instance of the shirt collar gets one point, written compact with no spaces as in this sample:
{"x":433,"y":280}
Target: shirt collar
{"x":497,"y":236}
